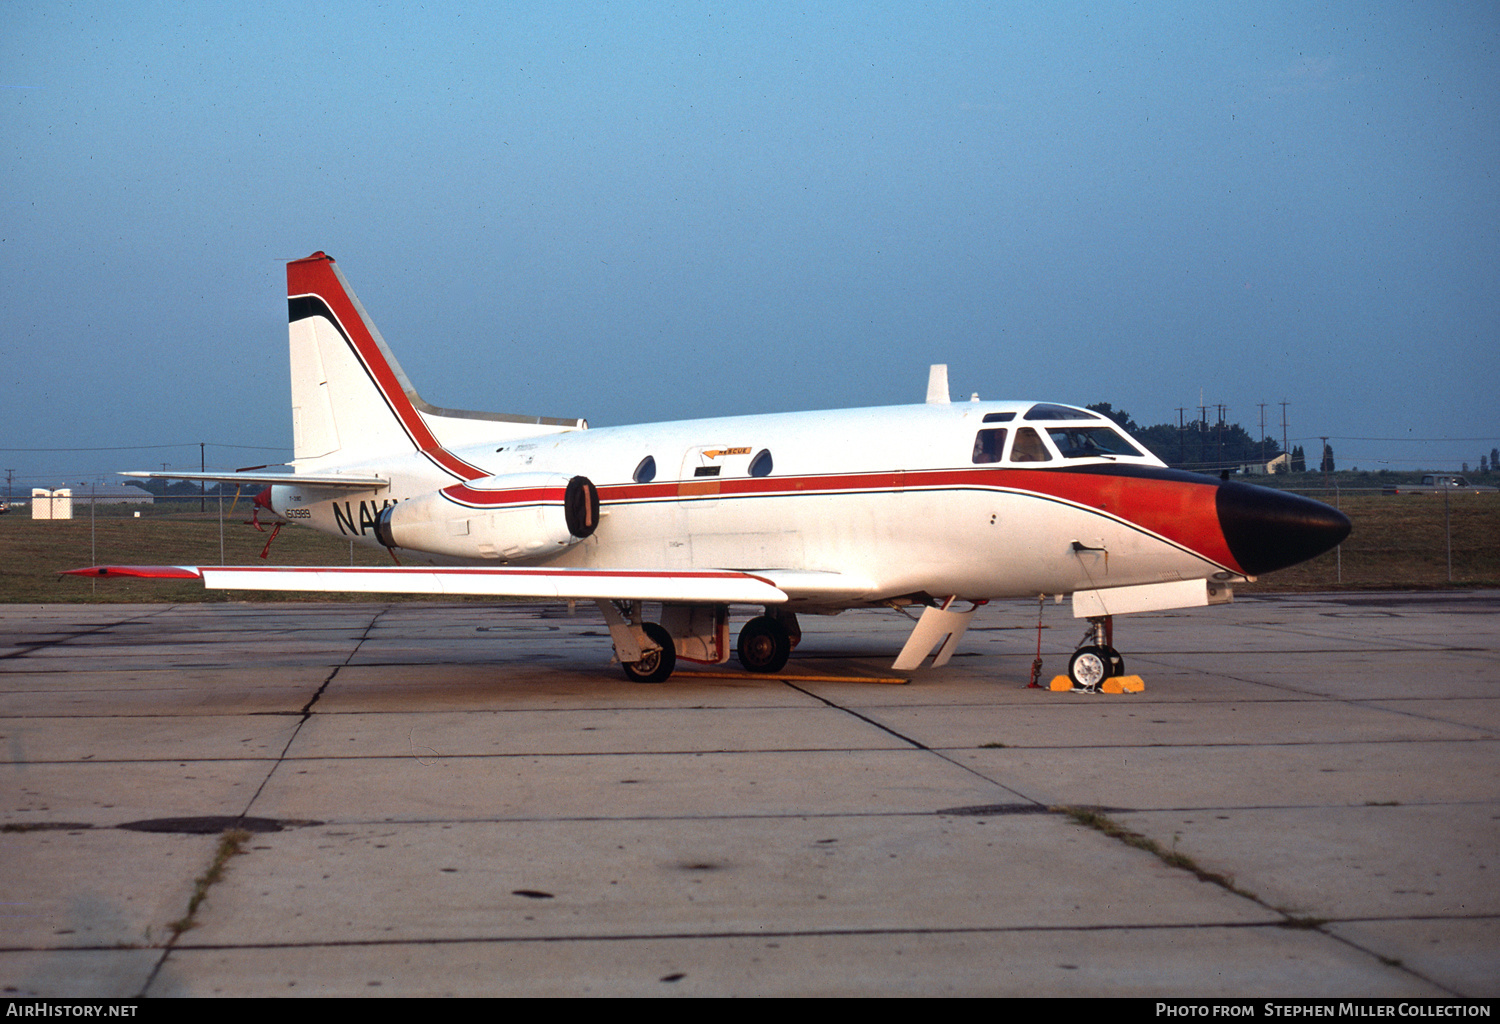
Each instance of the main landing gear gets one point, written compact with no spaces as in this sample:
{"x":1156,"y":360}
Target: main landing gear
{"x":646,"y":650}
{"x":654,"y":666}
{"x":766,"y":643}
{"x":1096,"y":660}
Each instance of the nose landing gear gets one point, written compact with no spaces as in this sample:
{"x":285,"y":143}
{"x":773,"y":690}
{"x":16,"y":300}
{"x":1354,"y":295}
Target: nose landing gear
{"x":1095,"y":660}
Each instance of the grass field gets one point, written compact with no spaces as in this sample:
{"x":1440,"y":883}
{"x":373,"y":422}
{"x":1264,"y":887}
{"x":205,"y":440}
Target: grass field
{"x":1398,"y":542}
{"x":32,"y":552}
{"x":1404,"y":541}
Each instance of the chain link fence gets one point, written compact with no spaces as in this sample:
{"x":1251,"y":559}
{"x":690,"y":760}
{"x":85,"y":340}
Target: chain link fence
{"x":1403,"y":540}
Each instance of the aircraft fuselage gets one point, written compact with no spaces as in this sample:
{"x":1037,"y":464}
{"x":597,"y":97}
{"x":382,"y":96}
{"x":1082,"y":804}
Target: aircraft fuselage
{"x":890,"y":501}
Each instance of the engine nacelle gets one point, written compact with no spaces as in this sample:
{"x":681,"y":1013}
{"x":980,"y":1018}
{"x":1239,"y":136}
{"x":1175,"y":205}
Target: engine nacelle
{"x":515,"y":516}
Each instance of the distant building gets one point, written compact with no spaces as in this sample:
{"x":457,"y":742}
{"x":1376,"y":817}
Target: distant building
{"x":59,"y":504}
{"x":47,"y":504}
{"x":1281,"y":464}
{"x":114,"y":494}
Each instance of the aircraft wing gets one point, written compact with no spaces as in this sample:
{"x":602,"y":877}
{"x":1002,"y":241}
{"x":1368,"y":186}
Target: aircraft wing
{"x":824,"y":588}
{"x":689,"y":586}
{"x":360,"y":483}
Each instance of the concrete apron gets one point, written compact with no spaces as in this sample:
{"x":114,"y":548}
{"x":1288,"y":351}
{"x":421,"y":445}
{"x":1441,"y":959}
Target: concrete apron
{"x":468,"y":800}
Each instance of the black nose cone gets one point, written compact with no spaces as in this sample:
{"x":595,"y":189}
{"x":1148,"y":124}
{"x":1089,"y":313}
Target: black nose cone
{"x":1268,"y":529}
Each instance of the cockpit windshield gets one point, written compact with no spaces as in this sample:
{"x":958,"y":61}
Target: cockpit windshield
{"x":1056,"y":441}
{"x":1092,"y":443}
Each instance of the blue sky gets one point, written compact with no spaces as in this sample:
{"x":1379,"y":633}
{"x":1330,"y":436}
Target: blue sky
{"x":635,"y":212}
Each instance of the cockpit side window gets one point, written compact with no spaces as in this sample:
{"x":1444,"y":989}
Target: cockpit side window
{"x":1029,"y":447}
{"x":989,"y":445}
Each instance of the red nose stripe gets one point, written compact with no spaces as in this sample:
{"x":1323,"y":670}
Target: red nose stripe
{"x":1184,"y":513}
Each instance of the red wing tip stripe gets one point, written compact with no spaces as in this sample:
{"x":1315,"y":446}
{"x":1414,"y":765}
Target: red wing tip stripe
{"x":150,"y":572}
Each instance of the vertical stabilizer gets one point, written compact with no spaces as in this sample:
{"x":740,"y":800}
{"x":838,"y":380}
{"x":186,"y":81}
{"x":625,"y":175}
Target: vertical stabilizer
{"x":351,"y":401}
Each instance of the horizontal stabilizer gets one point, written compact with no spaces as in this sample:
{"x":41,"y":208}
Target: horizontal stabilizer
{"x":706,"y":586}
{"x":360,"y":483}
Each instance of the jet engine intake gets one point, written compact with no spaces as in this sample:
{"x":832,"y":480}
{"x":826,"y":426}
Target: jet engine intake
{"x":508,"y":517}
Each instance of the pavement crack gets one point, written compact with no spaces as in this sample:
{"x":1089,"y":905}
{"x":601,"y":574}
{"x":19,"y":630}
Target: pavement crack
{"x":918,"y":744}
{"x":26,"y":647}
{"x":1095,"y":819}
{"x":1090,"y":817}
{"x":307,"y":709}
{"x":231,"y":844}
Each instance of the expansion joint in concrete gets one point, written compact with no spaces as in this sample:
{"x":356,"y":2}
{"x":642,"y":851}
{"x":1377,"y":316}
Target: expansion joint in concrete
{"x":916,"y":744}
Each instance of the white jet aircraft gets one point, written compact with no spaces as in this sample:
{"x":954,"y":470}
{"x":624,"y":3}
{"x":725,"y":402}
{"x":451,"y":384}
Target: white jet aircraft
{"x":942,"y":505}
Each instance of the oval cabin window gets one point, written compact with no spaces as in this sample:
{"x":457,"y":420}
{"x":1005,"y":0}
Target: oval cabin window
{"x":761,"y":464}
{"x":646,"y":471}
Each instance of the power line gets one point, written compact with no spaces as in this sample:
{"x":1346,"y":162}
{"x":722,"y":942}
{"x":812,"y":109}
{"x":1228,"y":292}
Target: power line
{"x":1423,"y":440}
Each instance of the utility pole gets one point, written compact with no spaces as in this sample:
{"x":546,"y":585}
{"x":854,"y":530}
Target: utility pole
{"x":1203,"y":444}
{"x":1284,"y":449}
{"x":1222,"y":409}
{"x":1181,"y":436}
{"x":1323,"y":458}
{"x":1262,"y":432}
{"x":202,"y":484}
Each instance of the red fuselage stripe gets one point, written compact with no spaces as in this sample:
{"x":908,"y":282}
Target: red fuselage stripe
{"x":474,"y":497}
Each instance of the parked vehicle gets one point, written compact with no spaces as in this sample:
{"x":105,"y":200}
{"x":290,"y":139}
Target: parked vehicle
{"x":1440,"y":483}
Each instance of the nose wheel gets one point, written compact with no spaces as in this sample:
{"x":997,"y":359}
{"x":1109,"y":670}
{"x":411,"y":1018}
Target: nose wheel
{"x":1091,"y":665}
{"x":1095,"y":660}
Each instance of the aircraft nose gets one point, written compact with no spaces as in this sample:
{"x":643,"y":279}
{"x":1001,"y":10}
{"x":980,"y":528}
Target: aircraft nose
{"x":1267,"y":529}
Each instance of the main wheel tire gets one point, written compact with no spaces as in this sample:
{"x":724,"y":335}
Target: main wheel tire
{"x":1089,"y":667}
{"x":764,"y":645}
{"x":655,"y":666}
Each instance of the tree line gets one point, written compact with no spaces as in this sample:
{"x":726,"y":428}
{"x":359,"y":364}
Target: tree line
{"x":191,"y":488}
{"x":1204,"y":445}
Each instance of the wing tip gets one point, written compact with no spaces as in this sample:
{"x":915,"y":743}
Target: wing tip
{"x":150,"y":572}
